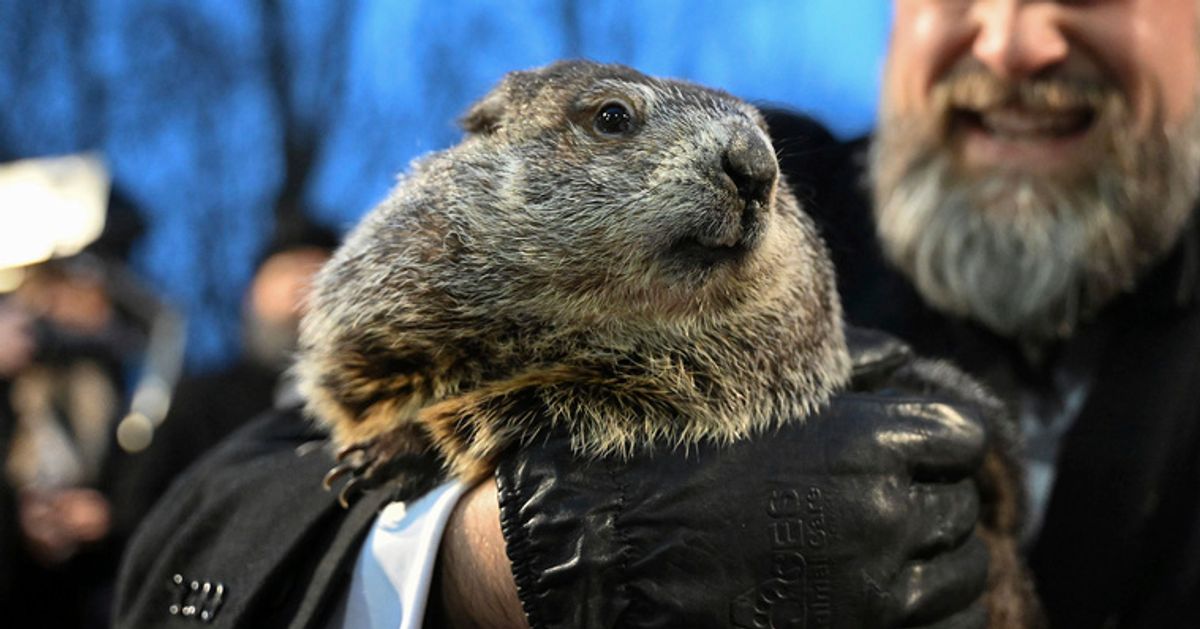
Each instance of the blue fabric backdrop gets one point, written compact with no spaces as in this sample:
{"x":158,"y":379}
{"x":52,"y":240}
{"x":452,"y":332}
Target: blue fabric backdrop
{"x":203,"y":107}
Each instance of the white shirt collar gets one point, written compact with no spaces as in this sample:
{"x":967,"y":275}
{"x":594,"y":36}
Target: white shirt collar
{"x":391,"y":580}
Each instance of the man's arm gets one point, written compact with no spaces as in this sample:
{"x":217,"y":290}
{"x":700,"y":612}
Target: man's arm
{"x":473,"y":585}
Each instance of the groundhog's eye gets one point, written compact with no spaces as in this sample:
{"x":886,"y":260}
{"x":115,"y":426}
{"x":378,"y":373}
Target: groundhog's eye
{"x":614,"y":119}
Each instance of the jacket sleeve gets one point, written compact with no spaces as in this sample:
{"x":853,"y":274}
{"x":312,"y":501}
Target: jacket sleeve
{"x":249,"y":537}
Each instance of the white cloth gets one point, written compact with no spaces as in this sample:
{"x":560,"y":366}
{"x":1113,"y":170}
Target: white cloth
{"x":391,"y":580}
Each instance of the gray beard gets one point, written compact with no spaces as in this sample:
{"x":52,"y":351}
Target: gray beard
{"x":1031,"y":256}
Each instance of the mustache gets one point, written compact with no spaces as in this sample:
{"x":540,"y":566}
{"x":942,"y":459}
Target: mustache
{"x":976,"y":88}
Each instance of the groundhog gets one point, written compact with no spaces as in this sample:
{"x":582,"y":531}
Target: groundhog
{"x":605,"y":252}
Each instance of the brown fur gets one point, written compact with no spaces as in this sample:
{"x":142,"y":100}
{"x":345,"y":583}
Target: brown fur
{"x":538,"y":275}
{"x":531,"y":276}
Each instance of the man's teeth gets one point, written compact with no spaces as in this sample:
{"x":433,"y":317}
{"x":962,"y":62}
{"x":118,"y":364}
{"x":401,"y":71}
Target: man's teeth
{"x":1022,"y":123}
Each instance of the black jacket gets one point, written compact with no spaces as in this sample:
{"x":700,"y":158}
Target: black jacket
{"x":247,"y":538}
{"x":1121,"y":542}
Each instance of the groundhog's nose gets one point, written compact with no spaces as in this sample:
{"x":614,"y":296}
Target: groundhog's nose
{"x":750,"y":164}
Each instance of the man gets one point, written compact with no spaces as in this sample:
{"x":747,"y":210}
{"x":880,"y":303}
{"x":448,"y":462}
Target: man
{"x":1035,"y":176}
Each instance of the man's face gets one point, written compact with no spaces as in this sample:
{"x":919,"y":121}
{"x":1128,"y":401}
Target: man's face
{"x":1144,"y":49}
{"x":277,"y":299}
{"x":1034,"y":156}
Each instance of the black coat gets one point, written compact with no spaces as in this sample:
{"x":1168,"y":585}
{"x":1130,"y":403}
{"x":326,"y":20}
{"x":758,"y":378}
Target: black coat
{"x":249,"y":537}
{"x":1121,"y":541}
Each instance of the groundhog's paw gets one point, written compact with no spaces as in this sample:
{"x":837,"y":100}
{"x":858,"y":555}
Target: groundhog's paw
{"x":369,"y":463}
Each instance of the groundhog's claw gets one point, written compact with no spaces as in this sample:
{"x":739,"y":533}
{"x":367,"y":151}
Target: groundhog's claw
{"x":362,"y":462}
{"x":348,"y":491}
{"x":358,"y":460}
{"x":338,"y":471}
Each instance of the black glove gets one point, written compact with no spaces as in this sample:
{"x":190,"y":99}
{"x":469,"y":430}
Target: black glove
{"x":862,"y":516}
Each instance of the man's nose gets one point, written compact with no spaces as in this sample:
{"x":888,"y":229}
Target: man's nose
{"x":1018,"y":38}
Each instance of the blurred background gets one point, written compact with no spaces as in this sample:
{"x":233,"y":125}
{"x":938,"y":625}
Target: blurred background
{"x":172,"y":171}
{"x":215,"y":116}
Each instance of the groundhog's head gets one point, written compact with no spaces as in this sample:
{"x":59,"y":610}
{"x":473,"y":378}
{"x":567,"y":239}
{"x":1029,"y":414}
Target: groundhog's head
{"x":610,"y":192}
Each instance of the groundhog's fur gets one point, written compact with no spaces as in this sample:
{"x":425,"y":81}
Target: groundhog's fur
{"x":640,"y":284}
{"x":545,"y":272}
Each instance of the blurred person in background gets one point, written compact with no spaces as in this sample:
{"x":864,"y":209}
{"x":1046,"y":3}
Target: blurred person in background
{"x":17,"y":347}
{"x":208,"y":407}
{"x":76,"y":331}
{"x":65,"y":401}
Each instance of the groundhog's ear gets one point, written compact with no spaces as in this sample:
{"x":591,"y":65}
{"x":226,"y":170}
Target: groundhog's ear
{"x":484,"y":116}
